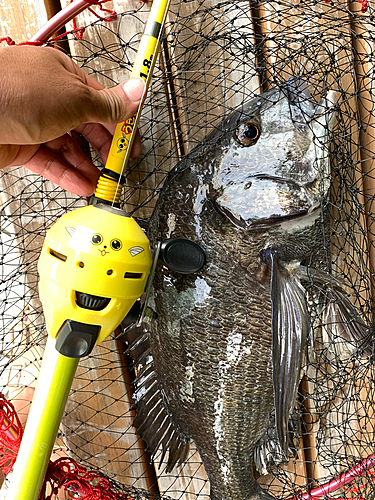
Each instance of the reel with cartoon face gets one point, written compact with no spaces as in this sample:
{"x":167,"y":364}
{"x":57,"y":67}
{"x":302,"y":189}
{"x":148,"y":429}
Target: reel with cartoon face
{"x":93,"y":267}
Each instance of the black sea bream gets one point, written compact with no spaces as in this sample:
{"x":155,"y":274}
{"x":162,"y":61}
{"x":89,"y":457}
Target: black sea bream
{"x":226,"y":349}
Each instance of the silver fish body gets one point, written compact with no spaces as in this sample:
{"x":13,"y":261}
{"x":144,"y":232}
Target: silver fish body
{"x":226,"y":348}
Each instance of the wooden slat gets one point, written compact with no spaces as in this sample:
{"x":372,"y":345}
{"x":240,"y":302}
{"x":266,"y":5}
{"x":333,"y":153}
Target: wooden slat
{"x":20,"y":19}
{"x":208,"y":79}
{"x":349,"y":255}
{"x":364,"y":46}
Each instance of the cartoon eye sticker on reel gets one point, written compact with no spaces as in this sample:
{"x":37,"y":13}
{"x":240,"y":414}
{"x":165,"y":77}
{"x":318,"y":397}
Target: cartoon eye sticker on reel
{"x":96,"y":239}
{"x":126,"y":130}
{"x":116,"y":244}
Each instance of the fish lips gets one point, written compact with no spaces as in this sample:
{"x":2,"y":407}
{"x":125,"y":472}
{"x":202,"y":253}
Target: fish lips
{"x":264,"y":201}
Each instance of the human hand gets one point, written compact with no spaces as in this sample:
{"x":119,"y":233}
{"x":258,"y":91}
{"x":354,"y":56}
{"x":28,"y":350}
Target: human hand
{"x":43,"y":96}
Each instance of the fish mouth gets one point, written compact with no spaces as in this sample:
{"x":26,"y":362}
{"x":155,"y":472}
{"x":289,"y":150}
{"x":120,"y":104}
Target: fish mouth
{"x":259,"y":224}
{"x":286,"y":180}
{"x":265,"y":200}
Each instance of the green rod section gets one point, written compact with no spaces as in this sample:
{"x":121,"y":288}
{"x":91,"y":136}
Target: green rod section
{"x":53,"y":386}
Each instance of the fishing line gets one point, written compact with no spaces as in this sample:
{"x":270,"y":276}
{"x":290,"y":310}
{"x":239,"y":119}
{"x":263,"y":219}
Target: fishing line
{"x":112,"y":179}
{"x":139,"y":110}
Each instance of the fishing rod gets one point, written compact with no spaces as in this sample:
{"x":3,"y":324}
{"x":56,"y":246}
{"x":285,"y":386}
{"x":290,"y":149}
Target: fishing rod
{"x":93,"y":268}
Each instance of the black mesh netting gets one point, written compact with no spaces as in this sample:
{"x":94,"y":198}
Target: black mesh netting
{"x":214,"y":57}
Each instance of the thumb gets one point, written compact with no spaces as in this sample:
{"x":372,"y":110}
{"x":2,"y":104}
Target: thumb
{"x":119,"y":103}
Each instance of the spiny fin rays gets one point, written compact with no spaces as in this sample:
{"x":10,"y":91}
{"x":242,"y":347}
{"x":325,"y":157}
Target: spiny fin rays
{"x":153,"y":421}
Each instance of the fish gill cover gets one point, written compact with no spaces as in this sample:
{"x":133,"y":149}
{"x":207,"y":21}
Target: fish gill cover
{"x":259,"y":368}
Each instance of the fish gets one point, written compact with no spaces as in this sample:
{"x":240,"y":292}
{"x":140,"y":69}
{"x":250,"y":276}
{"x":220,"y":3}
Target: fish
{"x":221,"y":363}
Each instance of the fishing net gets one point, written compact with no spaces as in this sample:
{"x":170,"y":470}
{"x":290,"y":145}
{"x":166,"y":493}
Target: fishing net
{"x":215,"y":56}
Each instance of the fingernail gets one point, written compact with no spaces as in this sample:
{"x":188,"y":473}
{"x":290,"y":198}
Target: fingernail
{"x":134,"y":88}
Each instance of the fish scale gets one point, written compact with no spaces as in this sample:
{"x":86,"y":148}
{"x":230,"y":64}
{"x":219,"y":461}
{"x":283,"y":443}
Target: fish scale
{"x":254,"y":394}
{"x":240,"y":307}
{"x":225,"y":352}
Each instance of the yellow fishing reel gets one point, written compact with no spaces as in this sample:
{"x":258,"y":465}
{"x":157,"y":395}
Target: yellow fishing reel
{"x":93,"y":267}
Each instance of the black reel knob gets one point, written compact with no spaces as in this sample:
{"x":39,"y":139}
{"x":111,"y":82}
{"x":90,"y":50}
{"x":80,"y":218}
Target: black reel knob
{"x":182,"y":255}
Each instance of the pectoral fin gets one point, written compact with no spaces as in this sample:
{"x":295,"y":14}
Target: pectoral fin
{"x":290,"y":331}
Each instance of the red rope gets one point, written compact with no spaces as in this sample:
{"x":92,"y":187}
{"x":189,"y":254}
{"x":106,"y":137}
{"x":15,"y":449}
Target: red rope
{"x":8,"y":40}
{"x":10,"y":435}
{"x":78,"y":32}
{"x":66,"y":474}
{"x":364,"y":4}
{"x":63,"y":473}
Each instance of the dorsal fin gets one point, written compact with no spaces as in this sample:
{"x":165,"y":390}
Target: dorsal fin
{"x":153,"y":422}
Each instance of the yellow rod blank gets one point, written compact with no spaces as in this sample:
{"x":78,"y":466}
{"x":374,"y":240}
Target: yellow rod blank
{"x":53,"y":386}
{"x":144,"y":64}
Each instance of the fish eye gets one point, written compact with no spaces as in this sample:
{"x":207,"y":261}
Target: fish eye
{"x":247,"y":133}
{"x":116,"y":244}
{"x":96,"y":239}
